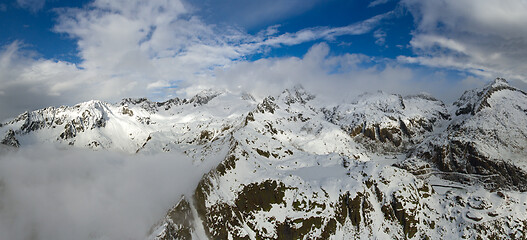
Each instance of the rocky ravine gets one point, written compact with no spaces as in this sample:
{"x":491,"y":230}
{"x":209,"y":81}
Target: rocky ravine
{"x":383,"y":166}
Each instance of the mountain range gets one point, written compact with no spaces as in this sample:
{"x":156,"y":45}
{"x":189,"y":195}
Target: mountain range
{"x":383,"y":166}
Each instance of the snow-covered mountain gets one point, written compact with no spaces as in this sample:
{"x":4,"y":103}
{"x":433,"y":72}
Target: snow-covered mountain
{"x":132,"y":125}
{"x":383,"y":166}
{"x":486,"y":139}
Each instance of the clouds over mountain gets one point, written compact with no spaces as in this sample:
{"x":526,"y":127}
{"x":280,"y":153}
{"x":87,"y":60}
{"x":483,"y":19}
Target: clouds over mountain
{"x":160,"y":49}
{"x":141,"y":48}
{"x":47,"y":192}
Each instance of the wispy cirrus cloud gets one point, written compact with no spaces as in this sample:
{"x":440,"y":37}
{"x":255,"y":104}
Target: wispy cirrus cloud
{"x":335,"y":78}
{"x":377,"y":2}
{"x":248,"y":14}
{"x":141,"y":48}
{"x":31,"y":5}
{"x":326,"y":33}
{"x":486,"y":38}
{"x":380,"y":37}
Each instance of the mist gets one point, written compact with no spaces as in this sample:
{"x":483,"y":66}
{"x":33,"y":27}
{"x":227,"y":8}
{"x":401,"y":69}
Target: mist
{"x":52,"y":193}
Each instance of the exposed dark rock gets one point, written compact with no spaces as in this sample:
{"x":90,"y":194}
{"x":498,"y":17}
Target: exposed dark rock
{"x":297,"y":95}
{"x":144,"y":144}
{"x":69,"y":132}
{"x":252,"y":198}
{"x":388,"y":122}
{"x":406,"y":217}
{"x":126,"y":111}
{"x":249,"y":118}
{"x":205,"y":136}
{"x":473,"y":217}
{"x":133,"y":101}
{"x":260,"y":196}
{"x":465,"y":158}
{"x":178,"y":222}
{"x":37,"y":120}
{"x":203,"y":97}
{"x":10,"y":139}
{"x":267,"y":105}
{"x":350,"y":208}
{"x":473,"y":101}
{"x":460,"y":153}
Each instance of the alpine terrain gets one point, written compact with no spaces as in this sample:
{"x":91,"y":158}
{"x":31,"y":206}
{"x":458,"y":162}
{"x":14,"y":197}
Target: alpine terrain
{"x":383,"y":166}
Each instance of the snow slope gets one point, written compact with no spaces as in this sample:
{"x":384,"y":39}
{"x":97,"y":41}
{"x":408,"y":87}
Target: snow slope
{"x":486,"y":139}
{"x":381,"y":167}
{"x":132,"y":125}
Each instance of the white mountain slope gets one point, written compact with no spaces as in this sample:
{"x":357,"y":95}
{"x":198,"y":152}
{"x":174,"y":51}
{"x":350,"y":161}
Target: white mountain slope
{"x":132,"y":125}
{"x":272,"y":187}
{"x":294,"y":168}
{"x":389,"y":122}
{"x":486,"y":139}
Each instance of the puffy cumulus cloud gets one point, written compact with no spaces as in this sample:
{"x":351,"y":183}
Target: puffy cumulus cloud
{"x":27,"y":82}
{"x":155,"y":44}
{"x":118,"y":39}
{"x":139,"y":48}
{"x":52,"y":193}
{"x":335,"y":78}
{"x":484,"y":37}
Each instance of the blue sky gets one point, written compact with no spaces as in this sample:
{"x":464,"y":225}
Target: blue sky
{"x":35,"y":26}
{"x":55,"y":52}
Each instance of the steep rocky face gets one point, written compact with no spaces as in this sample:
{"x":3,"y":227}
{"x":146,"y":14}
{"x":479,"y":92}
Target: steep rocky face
{"x":10,"y":139}
{"x":365,"y":200}
{"x":273,"y":193}
{"x":382,"y":167}
{"x":291,"y":174}
{"x":203,"y":97}
{"x":389,"y":122}
{"x":133,"y":125}
{"x":486,"y":140}
{"x":178,"y":223}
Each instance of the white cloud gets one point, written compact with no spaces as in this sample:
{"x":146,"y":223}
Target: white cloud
{"x":139,"y":48}
{"x":311,"y":34}
{"x":333,"y":78}
{"x":484,"y":37}
{"x":51,"y":193}
{"x":27,"y":82}
{"x":31,"y":5}
{"x":378,"y":2}
{"x":380,"y":37}
{"x":427,"y":42}
{"x":155,"y":41}
{"x":248,"y":14}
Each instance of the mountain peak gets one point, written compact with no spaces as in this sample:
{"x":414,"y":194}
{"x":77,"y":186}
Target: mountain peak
{"x":380,"y":100}
{"x":133,"y":101}
{"x":205,"y":96}
{"x":319,"y":172}
{"x":296,"y":94}
{"x":500,"y":81}
{"x":475,"y":100}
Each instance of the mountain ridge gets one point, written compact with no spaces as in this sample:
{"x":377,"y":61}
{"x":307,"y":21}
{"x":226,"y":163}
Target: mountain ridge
{"x":383,"y":166}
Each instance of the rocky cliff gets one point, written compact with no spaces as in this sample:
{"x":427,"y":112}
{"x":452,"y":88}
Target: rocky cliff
{"x":291,"y":167}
